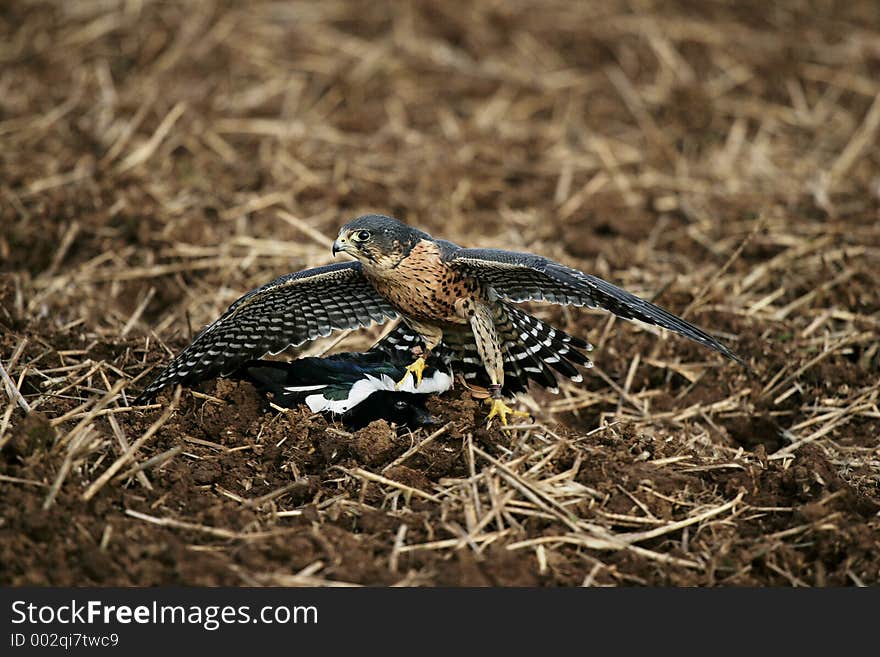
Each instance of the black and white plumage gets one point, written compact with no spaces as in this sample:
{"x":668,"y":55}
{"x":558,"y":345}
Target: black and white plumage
{"x":356,"y":387}
{"x":453,"y":298}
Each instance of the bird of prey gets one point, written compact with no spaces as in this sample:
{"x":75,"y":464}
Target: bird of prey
{"x":460,"y":298}
{"x":358,"y":387}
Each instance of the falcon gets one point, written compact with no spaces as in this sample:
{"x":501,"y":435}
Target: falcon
{"x":459,"y":298}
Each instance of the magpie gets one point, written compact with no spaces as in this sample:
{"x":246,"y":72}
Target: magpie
{"x":357,"y":387}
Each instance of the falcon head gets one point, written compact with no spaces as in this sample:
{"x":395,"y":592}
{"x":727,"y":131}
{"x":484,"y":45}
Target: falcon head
{"x":377,"y":241}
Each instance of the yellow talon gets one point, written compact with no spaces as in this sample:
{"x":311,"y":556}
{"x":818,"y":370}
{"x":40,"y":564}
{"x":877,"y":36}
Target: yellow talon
{"x":416,"y":368}
{"x":502,"y":410}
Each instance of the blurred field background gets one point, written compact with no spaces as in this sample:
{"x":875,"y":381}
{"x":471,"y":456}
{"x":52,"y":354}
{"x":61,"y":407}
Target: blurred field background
{"x":159,"y":159}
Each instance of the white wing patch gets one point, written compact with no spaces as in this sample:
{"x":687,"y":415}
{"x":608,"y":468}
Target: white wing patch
{"x":438,"y":382}
{"x":304,"y":388}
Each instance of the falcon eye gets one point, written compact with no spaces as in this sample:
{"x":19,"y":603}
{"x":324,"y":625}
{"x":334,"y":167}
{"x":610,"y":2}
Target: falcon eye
{"x":361,"y":236}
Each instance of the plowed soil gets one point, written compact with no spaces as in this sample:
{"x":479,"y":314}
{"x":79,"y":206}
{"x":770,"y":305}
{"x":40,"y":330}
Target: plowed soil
{"x":160,"y":159}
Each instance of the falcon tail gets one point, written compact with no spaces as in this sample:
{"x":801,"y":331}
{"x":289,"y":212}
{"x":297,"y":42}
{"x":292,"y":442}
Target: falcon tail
{"x":533,"y":351}
{"x":551,"y":346}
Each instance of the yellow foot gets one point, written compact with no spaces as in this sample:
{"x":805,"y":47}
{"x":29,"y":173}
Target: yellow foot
{"x":416,"y":368}
{"x":502,"y":410}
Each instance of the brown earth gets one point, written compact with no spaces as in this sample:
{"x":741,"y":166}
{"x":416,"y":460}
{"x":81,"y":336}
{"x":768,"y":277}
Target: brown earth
{"x":160,"y":159}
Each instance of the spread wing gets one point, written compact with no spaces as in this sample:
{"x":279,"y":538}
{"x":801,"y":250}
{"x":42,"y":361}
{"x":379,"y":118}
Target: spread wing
{"x":285,"y":312}
{"x":528,"y":277}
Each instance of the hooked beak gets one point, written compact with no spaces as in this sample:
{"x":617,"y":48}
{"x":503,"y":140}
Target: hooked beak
{"x":340,"y":244}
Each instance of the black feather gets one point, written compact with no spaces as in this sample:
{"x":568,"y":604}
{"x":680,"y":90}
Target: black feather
{"x":285,"y":312}
{"x":529,"y":277}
